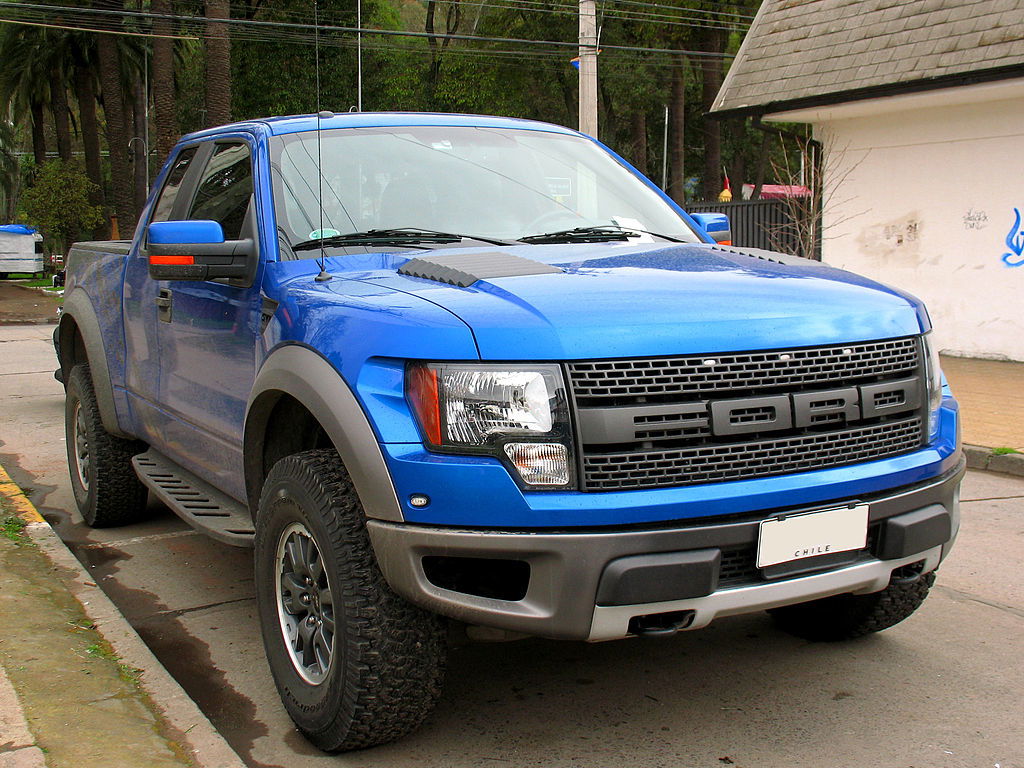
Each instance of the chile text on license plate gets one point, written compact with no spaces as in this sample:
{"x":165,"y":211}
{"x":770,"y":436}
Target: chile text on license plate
{"x":811,"y":534}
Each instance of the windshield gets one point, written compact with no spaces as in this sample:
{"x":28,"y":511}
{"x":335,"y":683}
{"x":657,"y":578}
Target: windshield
{"x":497,"y":183}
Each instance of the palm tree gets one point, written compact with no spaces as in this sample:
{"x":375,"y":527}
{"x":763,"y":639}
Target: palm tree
{"x":84,"y":66}
{"x":163,"y":81}
{"x":24,"y":80}
{"x":122,"y":199}
{"x":10,"y":170}
{"x":218,"y":63}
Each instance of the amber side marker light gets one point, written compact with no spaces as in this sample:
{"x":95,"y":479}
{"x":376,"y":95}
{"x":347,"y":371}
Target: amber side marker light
{"x":423,"y":395}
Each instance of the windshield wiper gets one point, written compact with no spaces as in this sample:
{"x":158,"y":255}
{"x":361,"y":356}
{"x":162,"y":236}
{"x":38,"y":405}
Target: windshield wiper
{"x":596,"y":234}
{"x":391,"y":236}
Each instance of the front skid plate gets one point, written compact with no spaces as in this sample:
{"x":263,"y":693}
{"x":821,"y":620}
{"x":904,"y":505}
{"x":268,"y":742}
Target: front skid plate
{"x":612,"y":622}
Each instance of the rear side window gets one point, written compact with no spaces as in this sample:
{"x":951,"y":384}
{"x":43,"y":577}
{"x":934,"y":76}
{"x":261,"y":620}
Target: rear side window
{"x":165,"y":203}
{"x":225,"y":189}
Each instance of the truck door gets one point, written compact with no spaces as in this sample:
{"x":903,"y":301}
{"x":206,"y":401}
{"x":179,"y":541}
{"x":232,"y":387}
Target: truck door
{"x":141,"y":292}
{"x":208,"y":342}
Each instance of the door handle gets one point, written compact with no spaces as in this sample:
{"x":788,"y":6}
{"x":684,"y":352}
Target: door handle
{"x":163,"y":305}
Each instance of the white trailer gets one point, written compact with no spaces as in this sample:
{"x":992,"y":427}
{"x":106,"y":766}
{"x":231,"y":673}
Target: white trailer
{"x":21,"y":250}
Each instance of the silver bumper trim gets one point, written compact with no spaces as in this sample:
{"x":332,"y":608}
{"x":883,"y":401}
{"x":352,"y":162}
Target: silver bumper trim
{"x":612,"y":622}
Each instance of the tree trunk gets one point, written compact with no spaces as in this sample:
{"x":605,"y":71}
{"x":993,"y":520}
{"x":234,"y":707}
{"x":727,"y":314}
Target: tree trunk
{"x":638,"y":125}
{"x":139,"y":148}
{"x":121,"y":199}
{"x":218,"y":63}
{"x":711,"y":67}
{"x":38,"y":134}
{"x":163,"y":82}
{"x":61,"y":117}
{"x":677,"y":136}
{"x":86,"y":93}
{"x":438,"y":44}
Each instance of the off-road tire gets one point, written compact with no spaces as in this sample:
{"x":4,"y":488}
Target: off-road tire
{"x":387,"y":665}
{"x":114,"y":495}
{"x":845,"y":617}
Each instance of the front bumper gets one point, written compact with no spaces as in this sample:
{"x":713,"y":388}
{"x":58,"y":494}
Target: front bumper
{"x":596,"y":585}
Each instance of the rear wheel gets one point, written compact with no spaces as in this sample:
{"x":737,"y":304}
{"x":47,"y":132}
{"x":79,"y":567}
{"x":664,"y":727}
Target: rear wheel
{"x":355,"y":664}
{"x":844,"y":617}
{"x":106,"y":488}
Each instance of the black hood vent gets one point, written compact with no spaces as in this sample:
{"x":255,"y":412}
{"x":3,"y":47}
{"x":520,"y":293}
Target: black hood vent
{"x":759,"y":253}
{"x":464,"y":269}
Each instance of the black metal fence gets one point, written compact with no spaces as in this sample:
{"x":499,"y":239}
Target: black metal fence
{"x":765,"y":224}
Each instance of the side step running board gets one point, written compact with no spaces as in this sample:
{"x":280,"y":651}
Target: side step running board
{"x":195,"y":501}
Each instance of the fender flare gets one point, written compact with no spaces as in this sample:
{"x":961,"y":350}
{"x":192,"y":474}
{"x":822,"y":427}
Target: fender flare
{"x":303,"y":374}
{"x":78,"y":312}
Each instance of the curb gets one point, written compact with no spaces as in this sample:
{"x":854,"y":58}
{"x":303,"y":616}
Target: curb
{"x":191,"y":727}
{"x":979,"y":457}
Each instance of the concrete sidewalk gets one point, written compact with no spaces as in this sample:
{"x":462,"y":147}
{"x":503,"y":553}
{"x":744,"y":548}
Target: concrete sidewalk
{"x":78,"y":689}
{"x":992,"y":408}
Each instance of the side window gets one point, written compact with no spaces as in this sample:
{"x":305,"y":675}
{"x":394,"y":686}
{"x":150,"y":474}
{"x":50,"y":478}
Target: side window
{"x":165,"y":203}
{"x":225,"y":190}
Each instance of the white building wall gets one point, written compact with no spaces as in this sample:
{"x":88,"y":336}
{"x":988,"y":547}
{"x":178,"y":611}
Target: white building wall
{"x":920,"y":193}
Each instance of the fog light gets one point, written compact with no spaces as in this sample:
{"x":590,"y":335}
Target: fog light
{"x":540,"y":463}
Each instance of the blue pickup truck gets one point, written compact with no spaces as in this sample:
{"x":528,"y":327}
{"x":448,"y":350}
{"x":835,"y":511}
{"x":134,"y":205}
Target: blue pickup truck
{"x":444,"y":367}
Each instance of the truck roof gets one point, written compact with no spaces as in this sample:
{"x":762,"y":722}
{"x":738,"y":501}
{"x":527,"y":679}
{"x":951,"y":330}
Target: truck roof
{"x":298,"y":123}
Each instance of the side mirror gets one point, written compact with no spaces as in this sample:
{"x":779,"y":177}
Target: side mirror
{"x":195,"y":250}
{"x":715,"y":224}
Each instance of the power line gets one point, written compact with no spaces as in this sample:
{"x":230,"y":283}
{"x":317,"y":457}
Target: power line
{"x":298,"y":26}
{"x":93,"y":29}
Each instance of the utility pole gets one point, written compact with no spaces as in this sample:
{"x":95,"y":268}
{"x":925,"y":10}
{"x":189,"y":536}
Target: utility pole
{"x":359,"y":55}
{"x":588,"y":67}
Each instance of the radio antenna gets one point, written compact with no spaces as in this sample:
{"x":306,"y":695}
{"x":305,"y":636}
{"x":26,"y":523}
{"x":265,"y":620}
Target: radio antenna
{"x":323,"y":277}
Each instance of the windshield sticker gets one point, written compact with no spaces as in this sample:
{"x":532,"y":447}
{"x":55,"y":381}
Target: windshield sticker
{"x":319,"y":234}
{"x":559,"y":188}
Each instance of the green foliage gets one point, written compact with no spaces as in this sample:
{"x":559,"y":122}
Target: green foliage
{"x":58,"y":204}
{"x":11,"y":526}
{"x":1003,"y":451}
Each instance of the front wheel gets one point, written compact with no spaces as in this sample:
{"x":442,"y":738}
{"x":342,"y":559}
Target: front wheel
{"x":845,"y":617}
{"x":355,"y":664}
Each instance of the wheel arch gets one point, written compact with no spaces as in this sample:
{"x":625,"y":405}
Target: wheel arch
{"x":297,"y":374}
{"x":81,"y":341}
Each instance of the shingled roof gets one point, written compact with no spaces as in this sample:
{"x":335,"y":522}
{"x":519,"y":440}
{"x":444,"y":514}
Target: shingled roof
{"x":806,"y":53}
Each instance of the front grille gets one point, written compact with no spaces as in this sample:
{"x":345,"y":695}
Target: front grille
{"x":659,"y":423}
{"x":701,"y":375}
{"x":744,"y":461}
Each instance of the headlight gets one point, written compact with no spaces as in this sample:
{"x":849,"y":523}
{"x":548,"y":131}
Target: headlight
{"x":934,"y":375}
{"x":518,"y":413}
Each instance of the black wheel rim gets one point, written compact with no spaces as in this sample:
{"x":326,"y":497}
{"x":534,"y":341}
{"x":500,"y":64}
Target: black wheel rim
{"x":305,"y":604}
{"x":80,"y":446}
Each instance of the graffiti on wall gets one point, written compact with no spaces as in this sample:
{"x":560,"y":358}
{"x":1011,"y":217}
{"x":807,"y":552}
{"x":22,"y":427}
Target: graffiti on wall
{"x":975,"y":219}
{"x":898,"y":238}
{"x":1015,"y":242}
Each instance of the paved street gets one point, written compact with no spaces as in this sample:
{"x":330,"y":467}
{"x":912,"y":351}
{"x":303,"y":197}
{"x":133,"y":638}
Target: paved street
{"x":942,"y":689}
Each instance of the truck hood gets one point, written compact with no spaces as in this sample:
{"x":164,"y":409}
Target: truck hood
{"x":628,"y":300}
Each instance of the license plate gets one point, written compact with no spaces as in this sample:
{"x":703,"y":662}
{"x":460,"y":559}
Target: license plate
{"x":812,"y":534}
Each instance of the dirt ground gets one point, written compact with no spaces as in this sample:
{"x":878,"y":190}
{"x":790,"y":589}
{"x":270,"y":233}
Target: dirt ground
{"x":20,"y":305}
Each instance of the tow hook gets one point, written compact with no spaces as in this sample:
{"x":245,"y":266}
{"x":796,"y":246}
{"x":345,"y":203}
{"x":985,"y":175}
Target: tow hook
{"x":660,"y":624}
{"x":908,"y":574}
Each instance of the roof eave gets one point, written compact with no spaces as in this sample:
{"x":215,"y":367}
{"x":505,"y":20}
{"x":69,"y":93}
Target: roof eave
{"x":872,"y":92}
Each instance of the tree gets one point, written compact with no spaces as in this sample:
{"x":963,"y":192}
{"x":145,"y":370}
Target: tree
{"x":10,"y":170}
{"x":218,"y":63}
{"x":84,"y":71}
{"x":163,"y":81}
{"x":122,"y":199}
{"x":58,"y":204}
{"x":24,"y":80}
